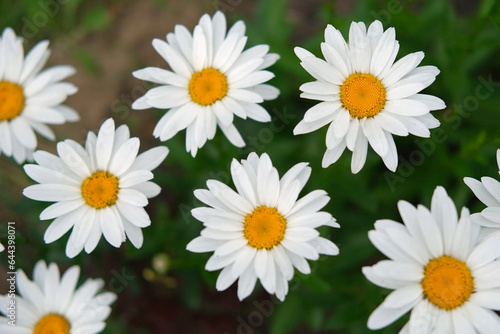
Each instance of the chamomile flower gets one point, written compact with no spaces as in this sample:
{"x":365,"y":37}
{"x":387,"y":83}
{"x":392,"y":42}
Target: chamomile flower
{"x":30,"y":99}
{"x":365,"y":96}
{"x":487,"y":191}
{"x":261,"y":230}
{"x":50,"y":303}
{"x":100,"y":189}
{"x":212,"y":79}
{"x":437,"y":269}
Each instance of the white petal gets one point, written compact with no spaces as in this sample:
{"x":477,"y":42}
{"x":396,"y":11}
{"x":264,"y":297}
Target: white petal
{"x":359,"y":153}
{"x":73,"y":160}
{"x":225,"y":279}
{"x":246,"y":283}
{"x":52,"y":192}
{"x":242,"y":182}
{"x":481,"y":193}
{"x":245,"y":257}
{"x":135,"y":177}
{"x":135,"y":214}
{"x":61,"y":208}
{"x":230,"y":246}
{"x":112,"y":226}
{"x":104,"y":144}
{"x":173,"y":58}
{"x":485,"y":321}
{"x":332,"y":155}
{"x":322,"y":71}
{"x":202,"y":245}
{"x":124,"y":157}
{"x":23,"y":132}
{"x":160,"y":76}
{"x":133,"y":196}
{"x":232,"y":135}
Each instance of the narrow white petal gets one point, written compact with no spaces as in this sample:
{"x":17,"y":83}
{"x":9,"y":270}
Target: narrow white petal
{"x":225,"y":279}
{"x":359,"y":152}
{"x":332,"y":155}
{"x":481,"y":193}
{"x":202,"y":245}
{"x":52,"y":192}
{"x":23,"y":132}
{"x":61,"y":208}
{"x":124,"y":157}
{"x":112,"y":226}
{"x":246,"y":283}
{"x":104,"y":144}
{"x":135,"y":214}
{"x":135,"y":177}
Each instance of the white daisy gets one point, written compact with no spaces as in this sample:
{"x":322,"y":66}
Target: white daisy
{"x":212,"y":79}
{"x":100,"y":189}
{"x":262,"y":230}
{"x":50,"y":303}
{"x":488,"y":192}
{"x":30,"y":99}
{"x":437,"y":269}
{"x":2,"y":248}
{"x":365,"y":96}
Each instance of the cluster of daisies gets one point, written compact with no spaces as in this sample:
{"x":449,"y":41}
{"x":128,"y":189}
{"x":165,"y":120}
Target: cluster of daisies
{"x":442,"y":267}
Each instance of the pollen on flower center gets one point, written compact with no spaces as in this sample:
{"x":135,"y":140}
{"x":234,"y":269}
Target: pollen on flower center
{"x":52,"y":323}
{"x":207,"y":86}
{"x":11,"y":100}
{"x":363,"y":95}
{"x":264,"y":227}
{"x":100,"y":189}
{"x":447,"y":282}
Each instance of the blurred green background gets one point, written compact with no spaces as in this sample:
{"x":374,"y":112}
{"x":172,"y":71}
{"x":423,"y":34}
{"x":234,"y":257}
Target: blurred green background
{"x":161,"y":287}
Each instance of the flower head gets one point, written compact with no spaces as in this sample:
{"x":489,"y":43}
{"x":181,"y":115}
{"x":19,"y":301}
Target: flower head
{"x":438,"y":269}
{"x":487,"y":191}
{"x":100,"y":189}
{"x":212,"y":79}
{"x":30,"y":99}
{"x":50,"y":303}
{"x":261,"y":230}
{"x":365,"y":96}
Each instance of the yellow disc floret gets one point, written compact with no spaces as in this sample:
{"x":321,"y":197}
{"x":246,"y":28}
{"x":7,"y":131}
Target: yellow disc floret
{"x":207,"y":86}
{"x":447,"y":282}
{"x":363,"y":95}
{"x":11,"y":100}
{"x":52,"y":323}
{"x":100,"y":189}
{"x":264,"y":227}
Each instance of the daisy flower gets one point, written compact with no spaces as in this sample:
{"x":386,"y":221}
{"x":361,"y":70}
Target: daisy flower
{"x":261,"y":230}
{"x":30,"y":99}
{"x":488,"y":192}
{"x":437,"y":269}
{"x":100,"y":189}
{"x":50,"y":303}
{"x":212,"y":79}
{"x":2,"y":248}
{"x":365,"y":96}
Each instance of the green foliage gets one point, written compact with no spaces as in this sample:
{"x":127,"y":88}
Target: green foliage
{"x":335,"y":298}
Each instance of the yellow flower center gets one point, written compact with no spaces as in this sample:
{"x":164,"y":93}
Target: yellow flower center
{"x":447,"y":282}
{"x":207,"y":86}
{"x":100,"y":189}
{"x":52,"y":323}
{"x":363,"y":95}
{"x":264,"y":227}
{"x":11,"y":100}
